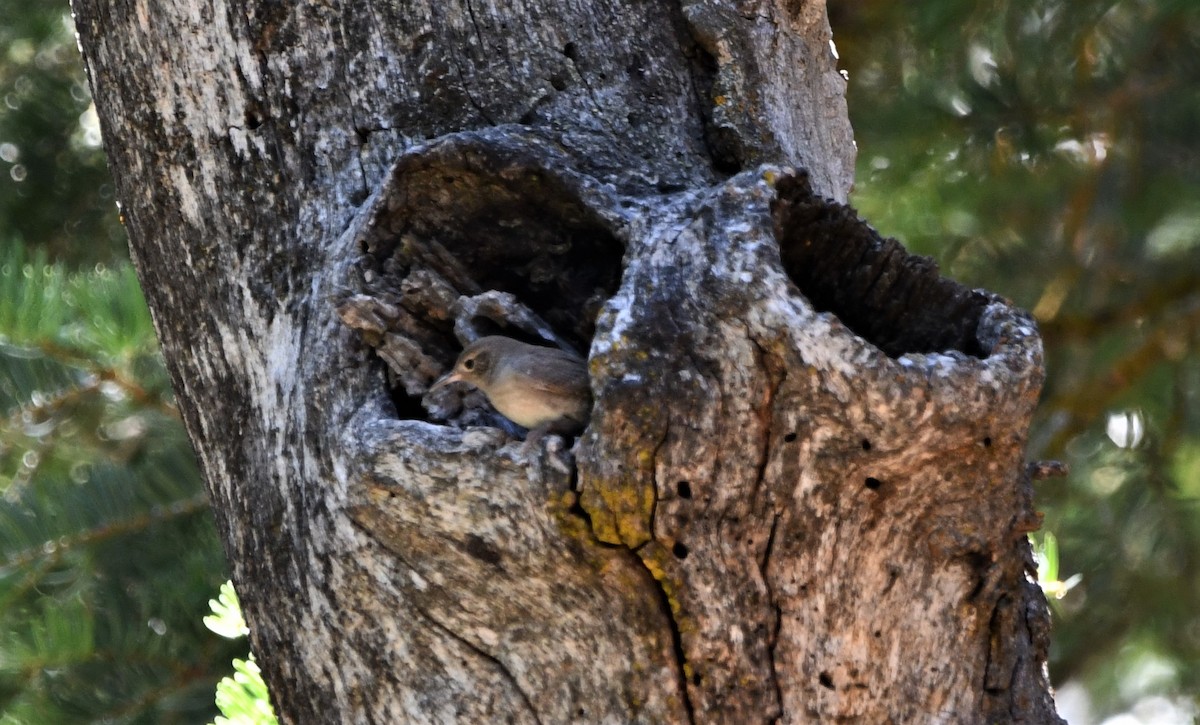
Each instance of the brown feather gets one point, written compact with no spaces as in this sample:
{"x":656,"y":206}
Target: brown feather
{"x":537,"y":387}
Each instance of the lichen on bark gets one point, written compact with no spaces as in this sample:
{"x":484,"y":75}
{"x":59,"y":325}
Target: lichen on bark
{"x":793,"y":422}
{"x":800,"y":495}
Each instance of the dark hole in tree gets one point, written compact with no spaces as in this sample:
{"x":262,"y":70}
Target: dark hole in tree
{"x":408,"y":407}
{"x":684,"y":488}
{"x":482,"y":550}
{"x":696,"y":679}
{"x":895,"y":300}
{"x":872,"y":483}
{"x":866,"y":444}
{"x":987,"y":442}
{"x":789,"y":438}
{"x":254,"y":118}
{"x":474,"y":219}
{"x":679,"y":550}
{"x":826,"y":680}
{"x":521,"y":233}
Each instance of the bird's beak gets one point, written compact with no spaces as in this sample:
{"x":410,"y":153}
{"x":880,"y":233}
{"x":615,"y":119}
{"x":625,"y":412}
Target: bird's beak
{"x":450,"y":377}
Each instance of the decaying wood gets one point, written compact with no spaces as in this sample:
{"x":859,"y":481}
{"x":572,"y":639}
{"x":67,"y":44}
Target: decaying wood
{"x":805,"y":496}
{"x":801,"y":497}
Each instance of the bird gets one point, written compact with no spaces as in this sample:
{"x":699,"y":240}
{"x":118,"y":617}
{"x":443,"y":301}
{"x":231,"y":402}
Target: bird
{"x":543,"y":389}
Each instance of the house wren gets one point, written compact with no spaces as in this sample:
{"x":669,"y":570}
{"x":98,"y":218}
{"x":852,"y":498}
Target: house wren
{"x":541,"y":388}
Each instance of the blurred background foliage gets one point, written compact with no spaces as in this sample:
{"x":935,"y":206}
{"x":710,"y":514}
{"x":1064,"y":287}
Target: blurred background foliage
{"x":108,"y":552}
{"x":55,"y":191}
{"x":1045,"y":149}
{"x":1049,"y":150}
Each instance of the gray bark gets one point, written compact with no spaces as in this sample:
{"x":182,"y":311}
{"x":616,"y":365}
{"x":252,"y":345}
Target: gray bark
{"x":801,"y":495}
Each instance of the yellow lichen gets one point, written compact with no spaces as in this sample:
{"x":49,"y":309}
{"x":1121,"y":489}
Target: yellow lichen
{"x":645,"y":459}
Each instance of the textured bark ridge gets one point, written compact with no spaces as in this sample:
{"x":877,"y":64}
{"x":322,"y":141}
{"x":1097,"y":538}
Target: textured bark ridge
{"x":477,"y":234}
{"x":826,"y":508}
{"x":827,"y":518}
{"x":800,"y":496}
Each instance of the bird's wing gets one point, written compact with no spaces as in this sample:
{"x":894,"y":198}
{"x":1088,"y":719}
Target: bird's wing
{"x":560,"y":371}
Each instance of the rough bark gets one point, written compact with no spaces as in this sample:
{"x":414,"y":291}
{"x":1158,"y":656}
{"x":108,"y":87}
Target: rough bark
{"x":801,"y":496}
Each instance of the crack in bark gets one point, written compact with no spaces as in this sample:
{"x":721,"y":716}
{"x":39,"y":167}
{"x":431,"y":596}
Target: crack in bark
{"x":664,"y":601}
{"x":504,"y":671}
{"x":563,"y":168}
{"x":771,"y":652}
{"x":774,"y":641}
{"x":577,"y":509}
{"x":994,"y":656}
{"x":701,"y":91}
{"x":596,"y":107}
{"x":723,"y":143}
{"x":475,"y":24}
{"x":773,"y":383}
{"x":654,"y":478}
{"x":766,"y":560}
{"x":663,"y":597}
{"x":512,"y":680}
{"x":470,"y":98}
{"x":462,"y":79}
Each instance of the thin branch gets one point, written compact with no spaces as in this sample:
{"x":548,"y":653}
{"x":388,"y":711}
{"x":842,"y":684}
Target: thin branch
{"x":103,"y":532}
{"x":1090,"y":399}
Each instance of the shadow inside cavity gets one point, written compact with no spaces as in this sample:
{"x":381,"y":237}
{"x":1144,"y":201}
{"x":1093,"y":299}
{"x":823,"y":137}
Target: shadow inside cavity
{"x":895,"y":300}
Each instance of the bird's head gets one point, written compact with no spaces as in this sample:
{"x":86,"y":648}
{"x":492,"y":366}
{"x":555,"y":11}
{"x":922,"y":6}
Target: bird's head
{"x":476,"y":364}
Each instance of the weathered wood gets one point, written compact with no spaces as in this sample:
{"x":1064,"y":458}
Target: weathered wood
{"x":801,"y":494}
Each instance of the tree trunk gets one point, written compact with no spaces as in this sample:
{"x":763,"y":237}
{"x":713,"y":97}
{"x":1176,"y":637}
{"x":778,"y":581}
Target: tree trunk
{"x":801,"y":496}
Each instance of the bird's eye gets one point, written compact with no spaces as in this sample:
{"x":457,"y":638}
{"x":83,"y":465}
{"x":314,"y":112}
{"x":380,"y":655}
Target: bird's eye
{"x":469,"y":363}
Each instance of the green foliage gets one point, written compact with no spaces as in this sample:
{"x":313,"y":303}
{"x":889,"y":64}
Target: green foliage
{"x":55,"y":191}
{"x":226,"y":618}
{"x":1047,"y":150}
{"x":107,"y":549}
{"x":242,"y":697}
{"x":1045,"y":553}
